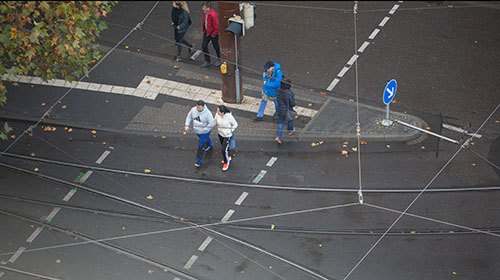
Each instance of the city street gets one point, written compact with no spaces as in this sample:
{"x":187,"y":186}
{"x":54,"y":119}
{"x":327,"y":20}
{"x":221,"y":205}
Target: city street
{"x":105,"y":186}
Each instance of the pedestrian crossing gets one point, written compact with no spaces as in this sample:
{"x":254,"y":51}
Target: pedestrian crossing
{"x":150,"y":87}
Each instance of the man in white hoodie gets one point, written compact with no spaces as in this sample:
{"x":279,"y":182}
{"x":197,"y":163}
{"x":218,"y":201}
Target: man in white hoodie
{"x":203,"y":121}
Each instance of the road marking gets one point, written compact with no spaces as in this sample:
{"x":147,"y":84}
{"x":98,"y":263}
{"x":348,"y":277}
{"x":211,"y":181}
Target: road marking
{"x":69,"y":194}
{"x":102,"y":157}
{"x":363,"y":47}
{"x":271,"y":161}
{"x":17,"y":254}
{"x":86,"y":176}
{"x":205,"y":243}
{"x":53,"y":214}
{"x":241,"y":198}
{"x":384,"y":21}
{"x":190,"y":262}
{"x":34,"y":234}
{"x":393,"y":10}
{"x":458,"y":129}
{"x":1,"y":274}
{"x":374,"y":33}
{"x":259,"y":177}
{"x":333,"y":84}
{"x":228,"y":215}
{"x":342,"y":72}
{"x":353,"y":59}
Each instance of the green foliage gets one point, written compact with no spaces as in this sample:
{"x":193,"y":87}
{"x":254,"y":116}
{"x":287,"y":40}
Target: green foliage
{"x":49,"y":39}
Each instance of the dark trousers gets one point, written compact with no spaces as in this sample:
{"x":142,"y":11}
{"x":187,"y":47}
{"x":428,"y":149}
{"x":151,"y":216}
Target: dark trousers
{"x":224,"y":142}
{"x":179,"y":41}
{"x":203,"y":143}
{"x":215,"y":44}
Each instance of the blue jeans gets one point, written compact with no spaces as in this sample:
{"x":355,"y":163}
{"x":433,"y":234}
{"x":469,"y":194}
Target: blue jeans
{"x":262,"y":107}
{"x":203,"y":143}
{"x":281,"y":124}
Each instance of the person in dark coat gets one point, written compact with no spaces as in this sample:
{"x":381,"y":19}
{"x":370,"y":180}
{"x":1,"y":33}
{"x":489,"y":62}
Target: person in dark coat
{"x":180,"y":23}
{"x":286,"y":102}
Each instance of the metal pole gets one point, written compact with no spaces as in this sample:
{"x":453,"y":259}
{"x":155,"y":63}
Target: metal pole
{"x":237,"y":70}
{"x":428,"y":132}
{"x":387,"y":121}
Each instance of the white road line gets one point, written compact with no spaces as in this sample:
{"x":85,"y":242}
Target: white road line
{"x":393,"y":10}
{"x":259,"y":177}
{"x":34,"y":234}
{"x":190,"y":262}
{"x":458,"y":129}
{"x":374,"y":33}
{"x":384,"y":21}
{"x":363,"y":47}
{"x":205,"y":243}
{"x":86,"y":176}
{"x":353,"y":59}
{"x":228,"y":215}
{"x":17,"y":254}
{"x":271,"y":161}
{"x":53,"y":213}
{"x":342,"y":72}
{"x":333,"y":84}
{"x":1,"y":274}
{"x":69,"y":194}
{"x":241,"y":198}
{"x":102,"y":157}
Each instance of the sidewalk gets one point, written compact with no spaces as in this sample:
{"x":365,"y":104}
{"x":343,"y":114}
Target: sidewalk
{"x":162,"y":101}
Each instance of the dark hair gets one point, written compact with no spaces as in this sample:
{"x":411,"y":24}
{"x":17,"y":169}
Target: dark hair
{"x":200,"y":103}
{"x":206,"y":4}
{"x":223,"y":109}
{"x":268,"y":65}
{"x":286,"y":83}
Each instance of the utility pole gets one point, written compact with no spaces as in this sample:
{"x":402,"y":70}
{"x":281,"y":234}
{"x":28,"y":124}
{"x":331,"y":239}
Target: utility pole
{"x":228,"y":52}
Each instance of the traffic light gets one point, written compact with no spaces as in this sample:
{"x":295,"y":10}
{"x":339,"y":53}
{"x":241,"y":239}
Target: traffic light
{"x":236,"y":26}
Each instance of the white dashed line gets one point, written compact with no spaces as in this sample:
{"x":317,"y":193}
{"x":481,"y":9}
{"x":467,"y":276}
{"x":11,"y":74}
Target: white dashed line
{"x":102,"y":157}
{"x":333,"y":84}
{"x":17,"y":254}
{"x":353,"y":59}
{"x":228,"y":215}
{"x":259,"y":177}
{"x":241,"y":198}
{"x":393,"y":10}
{"x":374,"y":33}
{"x":69,"y":194}
{"x":53,"y":213}
{"x":271,"y":161}
{"x":384,"y":21}
{"x":190,"y":262}
{"x":344,"y":70}
{"x":86,"y":176}
{"x":34,"y":235}
{"x":363,"y":47}
{"x":205,"y":243}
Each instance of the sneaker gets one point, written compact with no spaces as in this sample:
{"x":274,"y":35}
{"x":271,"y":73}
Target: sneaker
{"x":225,"y":166}
{"x":205,"y":64}
{"x":191,"y":49}
{"x":177,"y":59}
{"x":258,"y":119}
{"x":197,"y":165}
{"x":291,"y":132}
{"x":208,"y":148}
{"x":217,"y":63}
{"x":228,"y":159}
{"x":278,"y":140}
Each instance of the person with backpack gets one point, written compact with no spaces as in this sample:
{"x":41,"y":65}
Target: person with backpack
{"x":226,"y":124}
{"x":210,"y":28}
{"x":181,"y":22}
{"x":286,"y":102}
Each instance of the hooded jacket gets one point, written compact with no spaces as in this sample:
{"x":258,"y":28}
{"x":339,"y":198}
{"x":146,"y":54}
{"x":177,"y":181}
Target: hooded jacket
{"x":202,"y":121}
{"x":272,"y":86}
{"x":226,"y":124}
{"x":180,"y":18}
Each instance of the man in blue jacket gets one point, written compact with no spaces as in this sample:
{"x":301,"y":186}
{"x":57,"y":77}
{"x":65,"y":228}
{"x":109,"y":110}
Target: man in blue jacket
{"x":271,"y":78}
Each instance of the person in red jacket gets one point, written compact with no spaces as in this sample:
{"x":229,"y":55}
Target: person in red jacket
{"x":210,"y":27}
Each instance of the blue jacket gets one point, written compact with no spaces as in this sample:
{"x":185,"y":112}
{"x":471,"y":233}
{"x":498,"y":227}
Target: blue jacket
{"x":272,"y":86}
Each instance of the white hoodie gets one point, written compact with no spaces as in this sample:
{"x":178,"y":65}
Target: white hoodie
{"x":202,"y":121}
{"x":226,"y":124}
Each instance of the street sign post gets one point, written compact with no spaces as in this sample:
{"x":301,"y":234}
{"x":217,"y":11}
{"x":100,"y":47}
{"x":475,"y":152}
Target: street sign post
{"x":389,"y":94}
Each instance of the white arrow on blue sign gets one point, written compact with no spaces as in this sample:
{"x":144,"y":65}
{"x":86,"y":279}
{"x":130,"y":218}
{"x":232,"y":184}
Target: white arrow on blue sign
{"x":390,"y":91}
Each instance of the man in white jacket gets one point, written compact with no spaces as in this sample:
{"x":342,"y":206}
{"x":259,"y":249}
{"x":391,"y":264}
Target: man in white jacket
{"x":203,"y":121}
{"x":226,"y":124}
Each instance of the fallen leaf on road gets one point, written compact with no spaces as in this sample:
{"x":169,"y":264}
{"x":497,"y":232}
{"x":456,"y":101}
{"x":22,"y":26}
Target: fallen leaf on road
{"x":157,"y":86}
{"x":58,"y":261}
{"x":123,"y":228}
{"x":272,"y":226}
{"x":497,"y":121}
{"x":322,"y":93}
{"x":147,"y":171}
{"x":314,"y":144}
{"x":64,"y":106}
{"x":310,"y":104}
{"x":351,"y":100}
{"x":393,"y":101}
{"x":344,"y":152}
{"x":164,"y":137}
{"x":138,"y":50}
{"x":70,"y":139}
{"x":93,"y":136}
{"x":176,"y":67}
{"x":32,"y":226}
{"x":213,"y":92}
{"x":320,"y":142}
{"x":93,"y":131}
{"x":70,"y":129}
{"x":363,"y":142}
{"x":148,"y":81}
{"x":206,"y":77}
{"x":43,"y":104}
{"x":344,"y":146}
{"x":297,"y":116}
{"x":184,"y":133}
{"x":428,"y":127}
{"x":170,"y":74}
{"x":473,"y":164}
{"x":104,"y":142}
{"x":65,"y":128}
{"x":13,"y":137}
{"x":32,"y":86}
{"x":423,"y":147}
{"x":150,"y":271}
{"x":355,"y":149}
{"x":149,"y":197}
{"x":107,"y":101}
{"x":388,"y":146}
{"x":32,"y":154}
{"x":126,"y":47}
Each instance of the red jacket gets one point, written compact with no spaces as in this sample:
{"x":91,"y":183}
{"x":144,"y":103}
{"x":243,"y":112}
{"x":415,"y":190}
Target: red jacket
{"x":212,"y":23}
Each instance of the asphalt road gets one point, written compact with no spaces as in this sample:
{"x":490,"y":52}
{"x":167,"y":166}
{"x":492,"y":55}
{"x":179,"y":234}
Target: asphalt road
{"x":140,"y":214}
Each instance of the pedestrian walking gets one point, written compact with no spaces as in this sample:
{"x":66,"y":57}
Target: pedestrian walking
{"x":286,"y":113}
{"x":271,"y":78}
{"x":210,"y":28}
{"x":181,"y":22}
{"x":203,"y":121}
{"x":226,"y":124}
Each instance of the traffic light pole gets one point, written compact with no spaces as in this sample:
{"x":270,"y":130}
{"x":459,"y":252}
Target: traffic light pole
{"x":231,"y":82}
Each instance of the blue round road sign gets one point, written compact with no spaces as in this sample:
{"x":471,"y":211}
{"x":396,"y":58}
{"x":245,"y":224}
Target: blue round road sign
{"x":390,"y":91}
